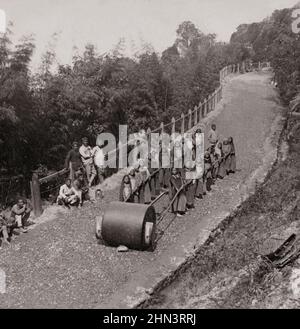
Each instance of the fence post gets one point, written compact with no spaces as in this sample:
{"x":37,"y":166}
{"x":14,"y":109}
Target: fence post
{"x":162,"y":128}
{"x":190,"y":120}
{"x":205,"y":108}
{"x":195,"y":115}
{"x":182,"y":124}
{"x":36,"y":195}
{"x":173,"y":126}
{"x":200,"y":112}
{"x":215,"y":102}
{"x":149,"y":142}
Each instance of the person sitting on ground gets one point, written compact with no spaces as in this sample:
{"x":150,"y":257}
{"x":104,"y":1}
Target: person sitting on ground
{"x":4,"y":229}
{"x":81,"y":188}
{"x":67,"y":196}
{"x":126,"y":190}
{"x":73,"y":160}
{"x":213,"y":136}
{"x":20,"y":214}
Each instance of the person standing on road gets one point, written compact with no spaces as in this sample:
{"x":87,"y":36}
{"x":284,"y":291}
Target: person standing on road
{"x":73,"y":160}
{"x":213,"y":136}
{"x":99,"y":161}
{"x":175,"y":185}
{"x":87,"y":159}
{"x":232,"y":164}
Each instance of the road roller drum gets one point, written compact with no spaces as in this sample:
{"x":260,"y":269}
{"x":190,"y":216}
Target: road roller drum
{"x":130,"y":224}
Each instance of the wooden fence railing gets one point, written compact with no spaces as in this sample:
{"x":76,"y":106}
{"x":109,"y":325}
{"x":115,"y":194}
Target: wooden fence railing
{"x":184,"y":123}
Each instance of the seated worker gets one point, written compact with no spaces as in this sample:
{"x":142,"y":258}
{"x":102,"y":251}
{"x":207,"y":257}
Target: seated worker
{"x":126,"y":190}
{"x":81,"y":188}
{"x":20,"y":214}
{"x":67,"y":196}
{"x":4,"y":229}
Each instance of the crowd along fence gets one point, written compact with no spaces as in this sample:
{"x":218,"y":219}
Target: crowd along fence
{"x":47,"y":187}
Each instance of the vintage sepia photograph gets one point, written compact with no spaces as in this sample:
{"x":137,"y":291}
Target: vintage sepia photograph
{"x":149,"y":157}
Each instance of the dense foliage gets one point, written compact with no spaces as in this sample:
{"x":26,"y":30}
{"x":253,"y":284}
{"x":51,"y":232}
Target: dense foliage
{"x":41,"y":113}
{"x":273,"y":39}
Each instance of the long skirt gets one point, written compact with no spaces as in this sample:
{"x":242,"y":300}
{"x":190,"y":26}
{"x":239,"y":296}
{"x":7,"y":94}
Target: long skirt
{"x":222,"y":169}
{"x":179,"y":205}
{"x":154,"y":185}
{"x":207,"y":183}
{"x":161,"y":176}
{"x":167,"y":176}
{"x":227,"y":163}
{"x":199,"y":187}
{"x":146,"y":192}
{"x":232,"y":165}
{"x":215,"y":170}
{"x":190,"y":194}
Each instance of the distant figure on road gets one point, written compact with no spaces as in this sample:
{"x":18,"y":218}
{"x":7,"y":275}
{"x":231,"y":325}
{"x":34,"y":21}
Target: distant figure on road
{"x":213,"y":136}
{"x":73,"y":160}
{"x":226,"y":153}
{"x":232,"y":165}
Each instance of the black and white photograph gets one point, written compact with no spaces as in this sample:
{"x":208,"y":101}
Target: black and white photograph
{"x":149,"y":157}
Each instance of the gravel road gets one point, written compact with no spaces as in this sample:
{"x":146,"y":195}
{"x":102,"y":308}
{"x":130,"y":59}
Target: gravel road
{"x":59,"y":264}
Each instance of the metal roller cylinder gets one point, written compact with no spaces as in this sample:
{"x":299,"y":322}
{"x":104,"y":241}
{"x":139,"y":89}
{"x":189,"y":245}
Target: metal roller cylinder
{"x":130,"y":224}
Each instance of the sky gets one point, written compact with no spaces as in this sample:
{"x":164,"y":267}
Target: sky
{"x":104,"y":22}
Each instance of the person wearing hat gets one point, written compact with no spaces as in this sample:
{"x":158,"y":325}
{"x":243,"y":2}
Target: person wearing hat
{"x":73,"y":160}
{"x":87,"y":159}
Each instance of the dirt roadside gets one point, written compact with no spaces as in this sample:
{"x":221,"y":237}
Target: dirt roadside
{"x":223,"y":274}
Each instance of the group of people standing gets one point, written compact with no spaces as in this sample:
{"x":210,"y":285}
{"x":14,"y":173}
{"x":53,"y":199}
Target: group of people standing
{"x":142,"y":183}
{"x":85,"y":164}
